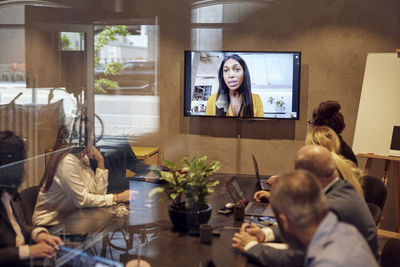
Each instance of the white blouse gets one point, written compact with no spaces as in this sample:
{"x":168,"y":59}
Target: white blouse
{"x":75,"y":185}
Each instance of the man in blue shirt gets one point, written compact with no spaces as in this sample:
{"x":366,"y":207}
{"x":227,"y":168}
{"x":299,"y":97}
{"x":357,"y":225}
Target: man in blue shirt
{"x":342,"y":199}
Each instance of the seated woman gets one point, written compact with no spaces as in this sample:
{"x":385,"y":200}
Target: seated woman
{"x":326,"y":137}
{"x":234,"y":97}
{"x":18,"y":242}
{"x":328,"y":114}
{"x":69,"y":183}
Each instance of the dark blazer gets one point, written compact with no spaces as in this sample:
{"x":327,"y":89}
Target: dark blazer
{"x":347,"y":204}
{"x":117,"y":158}
{"x":351,"y":208}
{"x":268,"y":256}
{"x":8,"y":251}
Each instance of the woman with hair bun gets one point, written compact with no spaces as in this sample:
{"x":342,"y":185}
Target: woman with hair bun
{"x":328,"y":114}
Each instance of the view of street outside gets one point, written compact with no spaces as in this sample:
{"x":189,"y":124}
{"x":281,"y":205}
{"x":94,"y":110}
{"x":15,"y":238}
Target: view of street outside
{"x":122,"y":115}
{"x":132,"y":109}
{"x":125,"y":59}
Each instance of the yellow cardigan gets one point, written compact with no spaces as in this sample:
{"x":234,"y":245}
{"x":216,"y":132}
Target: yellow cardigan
{"x":257,"y":106}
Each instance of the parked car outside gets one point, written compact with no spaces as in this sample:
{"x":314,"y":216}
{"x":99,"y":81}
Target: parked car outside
{"x":136,"y":77}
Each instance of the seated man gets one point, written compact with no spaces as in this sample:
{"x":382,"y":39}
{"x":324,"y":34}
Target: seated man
{"x":118,"y":157}
{"x":305,"y":222}
{"x":342,"y":199}
{"x":16,"y":238}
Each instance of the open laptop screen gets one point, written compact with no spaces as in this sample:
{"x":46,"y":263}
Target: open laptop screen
{"x":236,"y":191}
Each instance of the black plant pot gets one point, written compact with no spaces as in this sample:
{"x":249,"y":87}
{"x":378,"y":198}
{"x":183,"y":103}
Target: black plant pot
{"x":184,"y":220}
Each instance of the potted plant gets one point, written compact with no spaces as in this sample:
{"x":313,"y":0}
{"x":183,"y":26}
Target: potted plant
{"x":280,"y":105}
{"x":187,"y":184}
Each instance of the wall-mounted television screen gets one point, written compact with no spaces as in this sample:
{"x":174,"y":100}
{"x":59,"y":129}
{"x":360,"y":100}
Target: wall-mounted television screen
{"x":242,"y":84}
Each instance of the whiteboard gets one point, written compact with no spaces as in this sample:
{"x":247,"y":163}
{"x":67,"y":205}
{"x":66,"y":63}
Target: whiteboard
{"x":379,"y":108}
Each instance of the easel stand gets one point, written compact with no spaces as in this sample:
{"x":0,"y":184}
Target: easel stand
{"x":395,"y":163}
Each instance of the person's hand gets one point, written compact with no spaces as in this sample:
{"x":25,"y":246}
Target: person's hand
{"x":151,"y":174}
{"x":125,"y":196}
{"x":240,"y":240}
{"x":262,"y":196}
{"x":94,"y":153}
{"x":253,"y":230}
{"x":42,"y":250}
{"x":51,"y":240}
{"x":273,"y":179}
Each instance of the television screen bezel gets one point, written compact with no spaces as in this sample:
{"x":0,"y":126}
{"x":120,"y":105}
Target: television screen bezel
{"x":187,"y":83}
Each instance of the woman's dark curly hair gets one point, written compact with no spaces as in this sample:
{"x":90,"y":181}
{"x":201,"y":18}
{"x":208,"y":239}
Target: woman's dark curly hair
{"x":328,"y":114}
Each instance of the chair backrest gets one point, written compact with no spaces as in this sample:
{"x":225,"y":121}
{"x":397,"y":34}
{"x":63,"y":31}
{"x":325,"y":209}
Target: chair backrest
{"x":28,"y":202}
{"x":374,"y":190}
{"x":390,"y":256}
{"x":375,"y":211}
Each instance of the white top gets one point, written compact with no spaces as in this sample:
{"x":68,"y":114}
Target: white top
{"x":75,"y":185}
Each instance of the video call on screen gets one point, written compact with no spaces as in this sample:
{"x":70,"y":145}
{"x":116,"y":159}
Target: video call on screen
{"x":275,"y":78}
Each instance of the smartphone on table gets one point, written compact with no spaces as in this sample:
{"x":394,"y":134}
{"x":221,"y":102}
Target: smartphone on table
{"x":267,"y":220}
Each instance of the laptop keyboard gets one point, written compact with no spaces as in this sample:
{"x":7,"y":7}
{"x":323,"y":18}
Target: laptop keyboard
{"x":256,"y":208}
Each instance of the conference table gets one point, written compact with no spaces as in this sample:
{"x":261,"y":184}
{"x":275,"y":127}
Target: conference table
{"x":146,"y":232}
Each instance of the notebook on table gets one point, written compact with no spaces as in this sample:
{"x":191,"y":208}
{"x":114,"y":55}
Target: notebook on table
{"x":252,"y":208}
{"x":261,"y":182}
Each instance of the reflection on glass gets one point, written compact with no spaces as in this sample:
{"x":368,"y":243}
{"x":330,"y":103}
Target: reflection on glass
{"x":72,"y":41}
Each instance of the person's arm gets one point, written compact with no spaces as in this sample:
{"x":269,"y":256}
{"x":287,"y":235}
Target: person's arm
{"x":268,"y":256}
{"x":44,"y":236}
{"x":72,"y":183}
{"x":262,"y":235}
{"x":99,"y":183}
{"x":262,"y":196}
{"x":9,"y":256}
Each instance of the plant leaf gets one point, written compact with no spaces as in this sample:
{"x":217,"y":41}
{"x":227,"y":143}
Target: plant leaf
{"x":156,"y":190}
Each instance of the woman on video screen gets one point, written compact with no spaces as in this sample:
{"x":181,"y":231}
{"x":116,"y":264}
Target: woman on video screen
{"x":234,"y":97}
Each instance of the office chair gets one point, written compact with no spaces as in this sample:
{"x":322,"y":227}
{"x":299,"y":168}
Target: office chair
{"x":375,"y":211}
{"x":28,"y":202}
{"x":374,"y":190}
{"x":390,"y":256}
{"x":374,"y":193}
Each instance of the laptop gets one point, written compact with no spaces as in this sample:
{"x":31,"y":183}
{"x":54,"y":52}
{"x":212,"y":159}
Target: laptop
{"x":261,"y":182}
{"x":75,"y":257}
{"x":252,"y":208}
{"x":395,"y":143}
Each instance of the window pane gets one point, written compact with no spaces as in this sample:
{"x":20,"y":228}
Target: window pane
{"x":125,"y":73}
